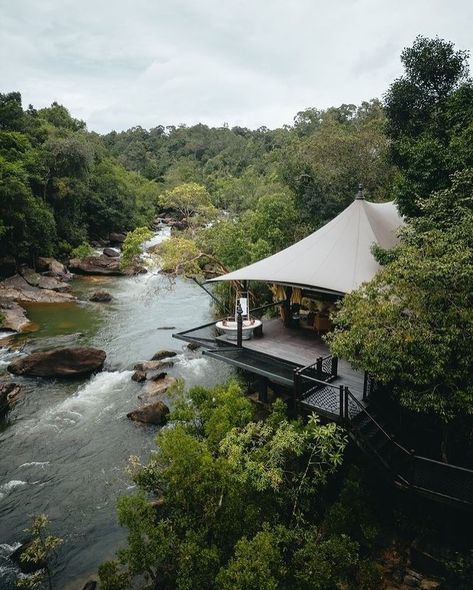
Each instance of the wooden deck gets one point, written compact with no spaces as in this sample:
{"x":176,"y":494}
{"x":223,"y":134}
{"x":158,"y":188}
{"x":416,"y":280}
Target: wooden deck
{"x":300,"y":347}
{"x":280,"y":355}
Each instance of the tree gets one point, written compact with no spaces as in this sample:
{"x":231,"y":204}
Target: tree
{"x":429,"y":120}
{"x":338,"y":149}
{"x":132,"y":247}
{"x":11,"y":112}
{"x":234,"y":497}
{"x":412,"y":325}
{"x":188,"y":199}
{"x":257,"y":563}
{"x":40,"y":551}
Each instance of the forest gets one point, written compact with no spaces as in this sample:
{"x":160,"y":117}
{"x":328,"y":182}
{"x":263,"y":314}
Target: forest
{"x":231,"y":500}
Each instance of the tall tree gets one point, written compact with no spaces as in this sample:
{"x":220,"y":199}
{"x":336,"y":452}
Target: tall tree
{"x":429,"y":120}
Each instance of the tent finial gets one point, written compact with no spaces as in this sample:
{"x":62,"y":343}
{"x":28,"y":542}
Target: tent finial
{"x":361,"y":193}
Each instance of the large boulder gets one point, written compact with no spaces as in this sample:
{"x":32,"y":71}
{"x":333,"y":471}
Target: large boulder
{"x":13,"y":317}
{"x":117,"y":238}
{"x":9,"y":393}
{"x":153,"y":365}
{"x":163,"y":354}
{"x":155,"y":412}
{"x":101,"y":297}
{"x":52,"y":283}
{"x":62,"y":362}
{"x":156,"y":386}
{"x":16,"y":288}
{"x":30,"y":276}
{"x":48,"y":264}
{"x":96,"y":265}
{"x":139,"y":376}
{"x":111,"y":252}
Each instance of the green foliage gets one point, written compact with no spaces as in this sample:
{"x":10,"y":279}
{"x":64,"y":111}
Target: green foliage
{"x":189,"y":200}
{"x":336,"y":150}
{"x":353,"y":512}
{"x":257,"y":563}
{"x":429,"y":120}
{"x":460,"y":571}
{"x":58,"y":187}
{"x":111,"y":576}
{"x":412,"y":325}
{"x":132,"y":246}
{"x":180,"y":255}
{"x":324,"y":564}
{"x":82,"y":251}
{"x":41,"y":551}
{"x":235,"y":499}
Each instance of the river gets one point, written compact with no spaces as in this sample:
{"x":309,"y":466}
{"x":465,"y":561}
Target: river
{"x":65,"y":446}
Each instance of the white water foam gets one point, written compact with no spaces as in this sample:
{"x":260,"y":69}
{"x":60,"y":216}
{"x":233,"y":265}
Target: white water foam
{"x":41,"y":464}
{"x":160,"y":236}
{"x":7,"y":355}
{"x":6,"y":549}
{"x":196,"y":366}
{"x":90,"y":399}
{"x":6,"y":333}
{"x":8,"y":487}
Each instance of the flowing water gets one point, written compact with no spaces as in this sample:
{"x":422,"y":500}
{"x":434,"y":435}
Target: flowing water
{"x":65,"y":446}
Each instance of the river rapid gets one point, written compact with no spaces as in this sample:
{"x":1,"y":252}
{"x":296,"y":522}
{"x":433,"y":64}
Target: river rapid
{"x":65,"y":446}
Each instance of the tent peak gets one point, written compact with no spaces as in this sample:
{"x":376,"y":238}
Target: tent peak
{"x":360,"y":195}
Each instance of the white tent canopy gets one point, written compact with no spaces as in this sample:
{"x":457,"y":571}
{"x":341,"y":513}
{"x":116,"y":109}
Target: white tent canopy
{"x":336,"y":258}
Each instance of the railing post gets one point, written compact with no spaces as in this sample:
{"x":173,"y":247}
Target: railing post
{"x":334,"y":366}
{"x":239,"y":325}
{"x":340,"y":391}
{"x":296,"y":392}
{"x":319,"y":368}
{"x":365,"y":385}
{"x":347,"y":413}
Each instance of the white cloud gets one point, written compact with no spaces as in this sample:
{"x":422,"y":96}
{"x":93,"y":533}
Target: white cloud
{"x":122,"y":63}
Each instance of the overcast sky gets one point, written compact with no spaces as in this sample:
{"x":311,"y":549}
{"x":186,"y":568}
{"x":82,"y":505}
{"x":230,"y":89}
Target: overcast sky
{"x":117,"y":63}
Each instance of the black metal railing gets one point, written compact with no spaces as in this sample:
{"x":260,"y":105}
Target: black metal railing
{"x":442,"y":481}
{"x":325,"y":368}
{"x":206,"y":334}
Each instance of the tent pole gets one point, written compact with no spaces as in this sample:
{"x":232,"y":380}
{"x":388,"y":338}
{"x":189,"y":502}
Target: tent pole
{"x":203,"y":287}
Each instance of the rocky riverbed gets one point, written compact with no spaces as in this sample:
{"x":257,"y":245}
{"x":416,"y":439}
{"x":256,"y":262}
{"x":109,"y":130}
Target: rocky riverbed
{"x":66,"y":442}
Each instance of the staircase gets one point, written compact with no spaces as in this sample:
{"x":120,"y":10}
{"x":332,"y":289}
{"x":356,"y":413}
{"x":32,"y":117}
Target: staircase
{"x":439,"y":481}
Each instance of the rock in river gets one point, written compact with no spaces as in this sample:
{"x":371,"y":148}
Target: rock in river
{"x":153,"y":365}
{"x":18,"y":289}
{"x":63,"y":362}
{"x":139,"y":376}
{"x":111,"y":252}
{"x":117,"y":238}
{"x":13,"y":316}
{"x":51,"y":265}
{"x":158,"y":385}
{"x":101,"y":297}
{"x":163,"y":354}
{"x":153,"y":413}
{"x":9,"y":393}
{"x":96,"y":265}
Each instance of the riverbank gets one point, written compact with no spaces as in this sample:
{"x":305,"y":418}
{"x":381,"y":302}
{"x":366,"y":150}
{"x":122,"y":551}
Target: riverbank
{"x":66,"y":444}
